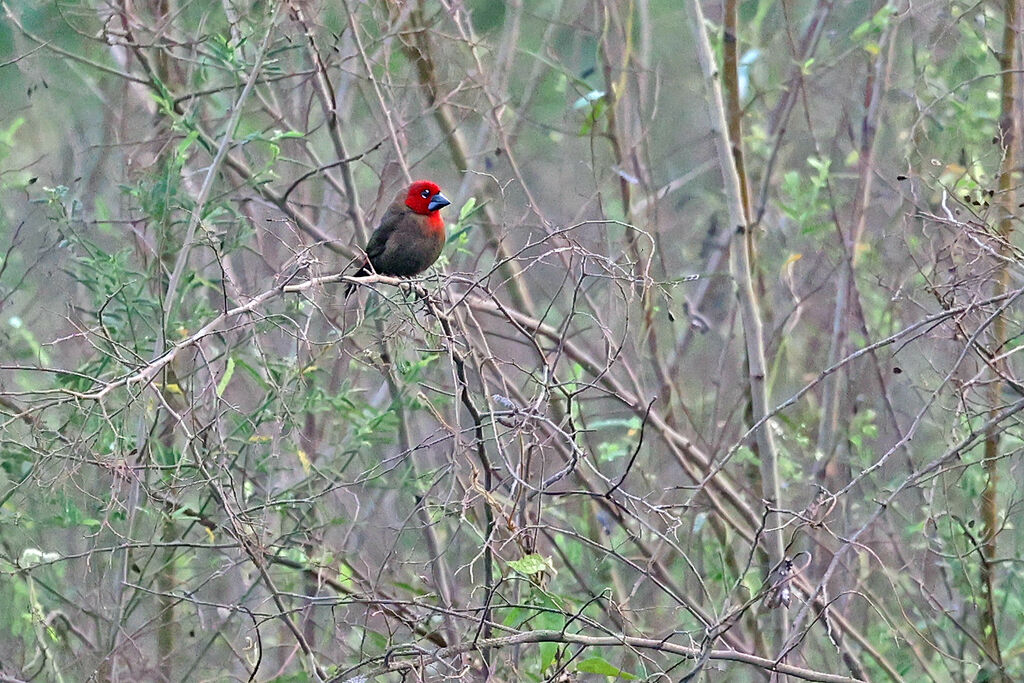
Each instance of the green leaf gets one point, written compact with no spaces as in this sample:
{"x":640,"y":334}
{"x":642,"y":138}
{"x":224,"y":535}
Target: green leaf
{"x":622,"y":422}
{"x":861,"y":30}
{"x":547,"y":655}
{"x":186,"y":143}
{"x":284,"y":135}
{"x":228,"y":372}
{"x":532,"y":564}
{"x":597,"y":665}
{"x":467,"y":208}
{"x":7,"y":134}
{"x":594,"y":115}
{"x":514,"y":617}
{"x":254,"y":373}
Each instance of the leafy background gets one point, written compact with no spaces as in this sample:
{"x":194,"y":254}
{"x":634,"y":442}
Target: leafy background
{"x":648,"y":418}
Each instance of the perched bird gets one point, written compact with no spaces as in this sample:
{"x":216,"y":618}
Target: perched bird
{"x":410,"y":236}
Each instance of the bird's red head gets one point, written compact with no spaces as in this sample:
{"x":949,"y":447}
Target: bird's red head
{"x":425,"y":197}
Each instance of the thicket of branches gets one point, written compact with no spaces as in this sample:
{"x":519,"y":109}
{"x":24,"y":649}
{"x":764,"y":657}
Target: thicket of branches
{"x":716,"y":378}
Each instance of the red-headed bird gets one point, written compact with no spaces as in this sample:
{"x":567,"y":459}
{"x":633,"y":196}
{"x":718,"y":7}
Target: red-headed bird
{"x":410,"y":236}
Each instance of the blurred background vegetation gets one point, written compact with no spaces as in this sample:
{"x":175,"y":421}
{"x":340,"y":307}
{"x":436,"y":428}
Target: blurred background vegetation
{"x":703,"y":388}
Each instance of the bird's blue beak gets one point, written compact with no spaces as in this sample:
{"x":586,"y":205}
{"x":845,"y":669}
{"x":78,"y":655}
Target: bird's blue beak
{"x":438,"y":201}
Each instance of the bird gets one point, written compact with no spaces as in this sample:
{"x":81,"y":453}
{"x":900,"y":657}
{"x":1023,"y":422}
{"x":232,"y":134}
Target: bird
{"x":410,"y":236}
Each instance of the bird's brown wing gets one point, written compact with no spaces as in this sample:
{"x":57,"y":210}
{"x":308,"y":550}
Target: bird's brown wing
{"x":379,"y":240}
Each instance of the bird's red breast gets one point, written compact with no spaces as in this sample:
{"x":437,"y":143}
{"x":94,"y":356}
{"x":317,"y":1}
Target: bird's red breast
{"x":435,"y":221}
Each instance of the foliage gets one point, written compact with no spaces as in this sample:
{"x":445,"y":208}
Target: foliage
{"x":542,"y":460}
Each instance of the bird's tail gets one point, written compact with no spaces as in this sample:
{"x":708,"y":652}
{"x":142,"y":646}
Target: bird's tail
{"x":351,"y":287}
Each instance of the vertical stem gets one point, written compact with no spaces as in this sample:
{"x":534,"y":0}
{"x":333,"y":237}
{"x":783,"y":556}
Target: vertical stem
{"x":846,"y":293}
{"x":742,"y":272}
{"x":420,"y":54}
{"x":165,"y":585}
{"x":384,"y":108}
{"x":734,"y":120}
{"x":1007,"y":194}
{"x":617,"y":45}
{"x":165,"y":581}
{"x":734,"y":113}
{"x":438,"y":564}
{"x":325,"y":93}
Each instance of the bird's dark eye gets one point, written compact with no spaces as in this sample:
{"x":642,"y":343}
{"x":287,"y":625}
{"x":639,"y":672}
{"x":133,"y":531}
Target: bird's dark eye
{"x":425,"y":194}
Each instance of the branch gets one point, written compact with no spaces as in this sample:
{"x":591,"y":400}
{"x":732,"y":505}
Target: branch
{"x":742,"y":273}
{"x":417,"y":656}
